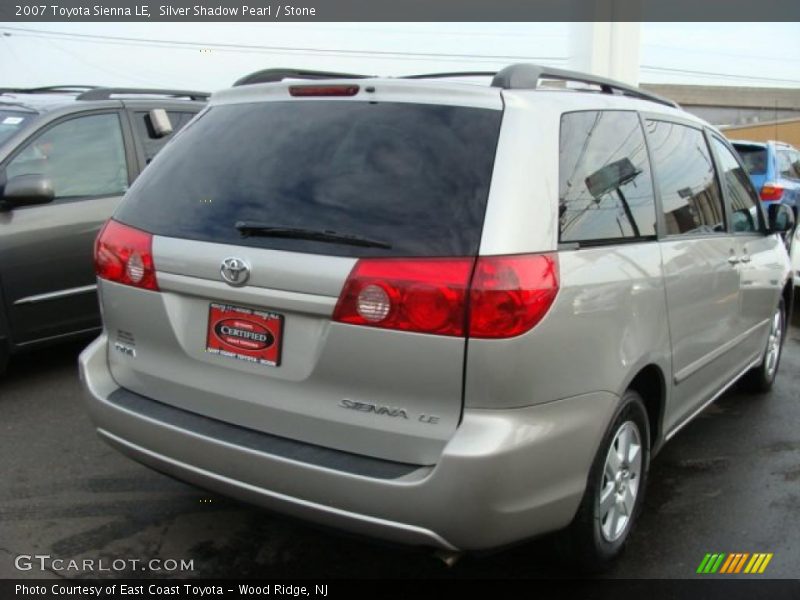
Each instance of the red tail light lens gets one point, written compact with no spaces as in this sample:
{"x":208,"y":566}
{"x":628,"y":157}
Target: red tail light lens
{"x":511,"y":294}
{"x":507,"y":297}
{"x":770,"y":192}
{"x":125,"y":255}
{"x":323,"y":90}
{"x":425,"y":295}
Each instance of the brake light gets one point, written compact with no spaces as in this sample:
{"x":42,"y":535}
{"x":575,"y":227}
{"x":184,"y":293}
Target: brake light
{"x":426,"y":295}
{"x":323,"y":90}
{"x":507,"y":296}
{"x":124,"y":255}
{"x":771,"y":191}
{"x":511,"y":294}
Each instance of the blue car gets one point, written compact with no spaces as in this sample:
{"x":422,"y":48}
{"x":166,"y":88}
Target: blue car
{"x":774,"y":169}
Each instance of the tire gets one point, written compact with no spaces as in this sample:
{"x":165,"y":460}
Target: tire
{"x":592,"y":541}
{"x":761,"y":378}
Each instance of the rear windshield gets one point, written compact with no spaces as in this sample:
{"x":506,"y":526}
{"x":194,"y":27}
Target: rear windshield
{"x":414,"y":177}
{"x":753,"y":157}
{"x":12,"y":121}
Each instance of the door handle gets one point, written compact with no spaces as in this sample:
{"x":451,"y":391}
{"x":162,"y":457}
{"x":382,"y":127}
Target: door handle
{"x":745,"y":258}
{"x":733,"y":260}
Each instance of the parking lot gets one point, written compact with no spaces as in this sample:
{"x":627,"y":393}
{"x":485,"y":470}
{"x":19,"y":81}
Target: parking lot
{"x":729,"y":482}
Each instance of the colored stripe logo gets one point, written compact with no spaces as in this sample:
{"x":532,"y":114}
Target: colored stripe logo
{"x":737,"y":562}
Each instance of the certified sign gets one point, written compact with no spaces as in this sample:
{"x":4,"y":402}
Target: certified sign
{"x":245,"y":334}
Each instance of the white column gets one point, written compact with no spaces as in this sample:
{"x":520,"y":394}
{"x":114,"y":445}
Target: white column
{"x":607,"y":49}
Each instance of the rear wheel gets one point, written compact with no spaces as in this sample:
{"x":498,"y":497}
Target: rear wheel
{"x":614,"y":491}
{"x":761,"y":378}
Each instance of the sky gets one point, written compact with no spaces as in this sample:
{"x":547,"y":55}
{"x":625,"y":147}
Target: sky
{"x":210,"y":56}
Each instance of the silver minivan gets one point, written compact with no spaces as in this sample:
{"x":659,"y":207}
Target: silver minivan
{"x":432,"y":311}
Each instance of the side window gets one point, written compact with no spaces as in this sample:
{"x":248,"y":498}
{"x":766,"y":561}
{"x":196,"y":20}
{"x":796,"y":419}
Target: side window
{"x":151,"y":143}
{"x":690,"y":196}
{"x":605,"y":187}
{"x":84,"y":156}
{"x":745,"y":211}
{"x":788,"y":164}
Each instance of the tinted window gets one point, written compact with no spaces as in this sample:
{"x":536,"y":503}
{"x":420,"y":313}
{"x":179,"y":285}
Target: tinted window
{"x":753,"y":157}
{"x":415,"y":177}
{"x":690,"y":196}
{"x":151,"y":143}
{"x":788,"y":165}
{"x":605,"y":188}
{"x":744,"y":204}
{"x":81,"y":157}
{"x":12,"y":121}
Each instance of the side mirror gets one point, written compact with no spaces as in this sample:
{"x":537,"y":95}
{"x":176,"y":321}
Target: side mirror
{"x":780,"y":218}
{"x":27,"y":190}
{"x":159,"y":122}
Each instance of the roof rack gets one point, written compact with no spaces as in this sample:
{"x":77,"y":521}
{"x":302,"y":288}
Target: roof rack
{"x":106,"y":93}
{"x":521,"y":76}
{"x":527,"y":76}
{"x":54,"y":89}
{"x":456,"y":74}
{"x":273,"y":75}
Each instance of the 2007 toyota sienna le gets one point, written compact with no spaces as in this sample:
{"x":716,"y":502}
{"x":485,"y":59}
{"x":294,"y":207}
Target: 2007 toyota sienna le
{"x":433,"y":311}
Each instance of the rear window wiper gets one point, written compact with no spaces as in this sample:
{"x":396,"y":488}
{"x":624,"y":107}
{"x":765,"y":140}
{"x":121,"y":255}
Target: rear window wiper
{"x":253,"y":228}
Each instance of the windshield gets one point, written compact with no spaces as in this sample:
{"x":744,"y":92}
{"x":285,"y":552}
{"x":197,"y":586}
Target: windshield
{"x":12,"y":121}
{"x":415,"y":177}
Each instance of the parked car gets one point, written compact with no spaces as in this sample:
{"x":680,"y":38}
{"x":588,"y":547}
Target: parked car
{"x":774,"y":168}
{"x":440,"y":313}
{"x":67,"y":155}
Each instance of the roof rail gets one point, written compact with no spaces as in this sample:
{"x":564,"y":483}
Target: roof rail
{"x":527,"y":76}
{"x":521,"y":76}
{"x":273,"y":75}
{"x":55,"y":89}
{"x":106,"y":93}
{"x":456,"y":74}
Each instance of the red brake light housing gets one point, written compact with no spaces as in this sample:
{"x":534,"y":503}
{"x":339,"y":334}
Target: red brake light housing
{"x":771,"y":192}
{"x":509,"y":295}
{"x":123,"y":254}
{"x":426,"y":295}
{"x":487,"y":297}
{"x":322,"y":90}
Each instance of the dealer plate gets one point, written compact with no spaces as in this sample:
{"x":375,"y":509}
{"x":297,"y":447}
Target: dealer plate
{"x":245,"y":334}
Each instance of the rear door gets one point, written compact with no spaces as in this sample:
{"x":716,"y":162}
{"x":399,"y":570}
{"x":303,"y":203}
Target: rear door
{"x":702,"y":282}
{"x":395,"y":180}
{"x":46,"y":251}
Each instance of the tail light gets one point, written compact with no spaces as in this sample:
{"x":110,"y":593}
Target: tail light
{"x":425,"y":295}
{"x":770,"y":192}
{"x":507,"y":295}
{"x":511,"y":294}
{"x":125,"y":255}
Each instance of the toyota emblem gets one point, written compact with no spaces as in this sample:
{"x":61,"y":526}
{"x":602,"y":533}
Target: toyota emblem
{"x":235,"y":271}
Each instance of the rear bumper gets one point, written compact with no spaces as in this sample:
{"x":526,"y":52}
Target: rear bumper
{"x":506,"y":475}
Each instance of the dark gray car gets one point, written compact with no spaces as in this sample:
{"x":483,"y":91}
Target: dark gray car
{"x":67,"y":155}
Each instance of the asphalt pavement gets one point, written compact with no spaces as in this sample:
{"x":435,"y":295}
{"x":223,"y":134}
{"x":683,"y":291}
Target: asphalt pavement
{"x":728,"y":482}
